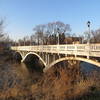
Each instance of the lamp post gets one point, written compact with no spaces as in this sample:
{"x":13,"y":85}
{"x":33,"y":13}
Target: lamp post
{"x":30,"y":40}
{"x":88,"y":24}
{"x":58,"y":35}
{"x":58,"y":41}
{"x":88,"y":42}
{"x":24,"y":41}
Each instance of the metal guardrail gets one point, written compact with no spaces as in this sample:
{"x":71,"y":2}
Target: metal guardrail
{"x":72,"y":49}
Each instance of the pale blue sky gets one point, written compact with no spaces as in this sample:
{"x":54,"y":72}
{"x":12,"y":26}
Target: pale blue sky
{"x":22,"y":15}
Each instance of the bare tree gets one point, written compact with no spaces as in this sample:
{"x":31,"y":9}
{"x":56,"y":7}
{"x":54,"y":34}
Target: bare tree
{"x":1,"y":30}
{"x":5,"y":41}
{"x":33,"y":39}
{"x":54,"y":27}
{"x":47,"y":34}
{"x":58,"y":28}
{"x":95,"y":36}
{"x":63,"y":28}
{"x":39,"y":32}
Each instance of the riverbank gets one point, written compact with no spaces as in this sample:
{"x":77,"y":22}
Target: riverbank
{"x":59,"y":83}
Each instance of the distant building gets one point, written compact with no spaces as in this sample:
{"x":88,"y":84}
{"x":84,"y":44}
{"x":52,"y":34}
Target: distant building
{"x":73,"y":40}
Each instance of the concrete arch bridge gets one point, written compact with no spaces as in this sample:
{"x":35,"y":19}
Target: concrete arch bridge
{"x":49,"y":55}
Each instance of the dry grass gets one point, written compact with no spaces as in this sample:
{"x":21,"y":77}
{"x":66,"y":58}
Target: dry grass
{"x":60,"y":83}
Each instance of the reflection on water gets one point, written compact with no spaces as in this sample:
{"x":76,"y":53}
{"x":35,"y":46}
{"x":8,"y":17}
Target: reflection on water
{"x":88,"y":68}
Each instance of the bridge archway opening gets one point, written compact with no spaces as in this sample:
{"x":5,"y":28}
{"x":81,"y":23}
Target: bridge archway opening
{"x":73,"y":60}
{"x":34,"y":62}
{"x":64,"y":70}
{"x":17,"y":57}
{"x":69,"y":65}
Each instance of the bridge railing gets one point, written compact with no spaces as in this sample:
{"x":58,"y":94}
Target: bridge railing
{"x":73,"y":49}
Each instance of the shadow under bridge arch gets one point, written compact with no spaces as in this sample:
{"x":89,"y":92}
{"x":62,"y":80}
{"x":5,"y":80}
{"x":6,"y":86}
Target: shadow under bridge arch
{"x":17,"y":56}
{"x":74,"y":59}
{"x":34,"y":62}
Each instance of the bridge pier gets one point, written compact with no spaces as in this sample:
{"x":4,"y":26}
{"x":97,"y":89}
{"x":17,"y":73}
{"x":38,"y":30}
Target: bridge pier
{"x":47,"y":59}
{"x":54,"y":57}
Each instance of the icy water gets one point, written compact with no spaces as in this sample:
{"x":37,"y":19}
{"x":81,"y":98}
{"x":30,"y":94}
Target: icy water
{"x":89,"y":68}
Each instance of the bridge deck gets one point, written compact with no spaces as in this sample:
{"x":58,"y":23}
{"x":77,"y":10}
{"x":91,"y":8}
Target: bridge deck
{"x":72,"y":49}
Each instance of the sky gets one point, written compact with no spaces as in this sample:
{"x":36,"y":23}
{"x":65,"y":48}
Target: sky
{"x":21,"y":16}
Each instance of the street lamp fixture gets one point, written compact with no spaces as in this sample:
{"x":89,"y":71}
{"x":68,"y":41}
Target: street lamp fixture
{"x":88,"y":23}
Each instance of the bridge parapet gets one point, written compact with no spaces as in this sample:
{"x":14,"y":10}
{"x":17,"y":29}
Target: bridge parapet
{"x":71,"y":49}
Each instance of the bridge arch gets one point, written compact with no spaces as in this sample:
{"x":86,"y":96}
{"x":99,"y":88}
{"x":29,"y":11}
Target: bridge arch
{"x":76,"y":59}
{"x":34,"y":54}
{"x":32,"y":60}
